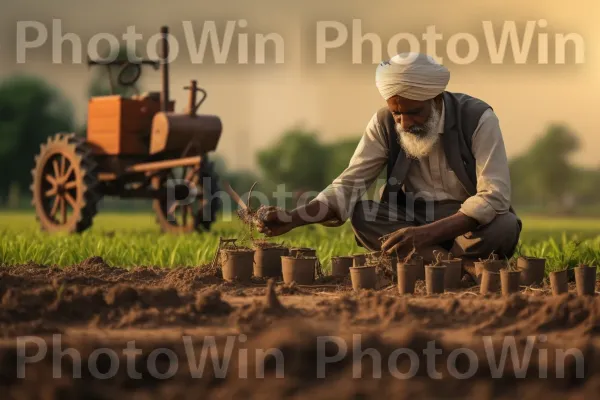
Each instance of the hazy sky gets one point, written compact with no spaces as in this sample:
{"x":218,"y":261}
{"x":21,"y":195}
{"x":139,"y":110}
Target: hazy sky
{"x":257,"y":102}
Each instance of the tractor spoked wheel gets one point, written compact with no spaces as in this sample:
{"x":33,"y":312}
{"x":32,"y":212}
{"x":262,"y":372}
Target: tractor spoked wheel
{"x":65,"y":185}
{"x":187,"y":202}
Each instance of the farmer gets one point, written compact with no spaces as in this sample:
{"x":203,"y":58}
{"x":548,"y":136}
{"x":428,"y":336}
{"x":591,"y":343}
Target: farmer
{"x":448,"y":185}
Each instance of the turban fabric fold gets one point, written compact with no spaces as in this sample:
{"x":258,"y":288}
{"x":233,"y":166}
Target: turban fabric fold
{"x":413,"y":76}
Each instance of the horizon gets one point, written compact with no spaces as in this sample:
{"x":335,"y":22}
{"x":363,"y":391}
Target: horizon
{"x":257,"y":102}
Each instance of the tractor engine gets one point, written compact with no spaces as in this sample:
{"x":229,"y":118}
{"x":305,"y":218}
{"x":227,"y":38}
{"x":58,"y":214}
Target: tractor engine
{"x":175,"y":131}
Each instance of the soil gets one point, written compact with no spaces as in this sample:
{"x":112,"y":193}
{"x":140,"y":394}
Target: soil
{"x":320,"y":341}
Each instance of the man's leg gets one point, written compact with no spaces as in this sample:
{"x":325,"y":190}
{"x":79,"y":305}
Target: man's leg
{"x":500,"y":236}
{"x":372,"y":220}
{"x":426,"y":212}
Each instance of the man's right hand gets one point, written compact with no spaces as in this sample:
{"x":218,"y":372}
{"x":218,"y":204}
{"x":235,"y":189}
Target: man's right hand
{"x":276,"y":222}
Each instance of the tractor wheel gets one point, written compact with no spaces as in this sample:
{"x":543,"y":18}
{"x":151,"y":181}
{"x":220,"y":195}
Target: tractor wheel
{"x":65,"y":184}
{"x":175,"y":211}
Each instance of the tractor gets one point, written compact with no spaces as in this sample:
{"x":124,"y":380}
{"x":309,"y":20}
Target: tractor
{"x":135,"y":147}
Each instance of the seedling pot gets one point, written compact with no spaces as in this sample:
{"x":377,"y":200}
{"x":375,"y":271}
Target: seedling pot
{"x":510,"y":281}
{"x":237,"y":264}
{"x":585,"y":280}
{"x":363,"y":278}
{"x":359,"y":260}
{"x":267,"y":262}
{"x":406,"y":278}
{"x":434,"y":278}
{"x":487,"y":265}
{"x":340,"y":266}
{"x":303,"y":251}
{"x":299,"y":270}
{"x":559,"y":280}
{"x":419,"y":266}
{"x":490,"y":282}
{"x":453,"y":274}
{"x":532,"y":270}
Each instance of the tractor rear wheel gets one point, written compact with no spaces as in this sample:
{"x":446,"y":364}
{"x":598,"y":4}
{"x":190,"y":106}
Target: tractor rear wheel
{"x":176,"y":210}
{"x":65,"y":184}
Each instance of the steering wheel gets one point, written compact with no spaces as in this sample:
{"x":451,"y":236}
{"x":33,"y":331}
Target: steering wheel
{"x":129,"y":74}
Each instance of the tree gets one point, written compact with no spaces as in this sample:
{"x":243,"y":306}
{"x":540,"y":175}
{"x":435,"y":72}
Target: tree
{"x":30,"y":111}
{"x":586,"y":187}
{"x":338,"y":158}
{"x":544,"y":174}
{"x":297,"y":160}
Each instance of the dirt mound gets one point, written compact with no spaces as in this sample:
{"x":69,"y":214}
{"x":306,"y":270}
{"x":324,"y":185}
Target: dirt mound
{"x":522,"y":315}
{"x":259,"y":314}
{"x":272,"y":340}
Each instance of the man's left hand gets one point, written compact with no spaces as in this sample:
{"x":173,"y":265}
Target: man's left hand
{"x":404,"y":239}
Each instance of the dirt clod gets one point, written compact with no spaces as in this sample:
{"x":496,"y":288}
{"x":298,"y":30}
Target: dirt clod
{"x":211,"y":303}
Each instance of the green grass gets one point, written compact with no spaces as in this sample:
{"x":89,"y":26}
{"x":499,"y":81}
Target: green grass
{"x":134,"y":239}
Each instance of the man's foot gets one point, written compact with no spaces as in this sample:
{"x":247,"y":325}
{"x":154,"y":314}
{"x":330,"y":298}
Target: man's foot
{"x":469,"y":268}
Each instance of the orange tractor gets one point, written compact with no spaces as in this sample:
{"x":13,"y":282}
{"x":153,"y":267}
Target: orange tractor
{"x":136,"y":147}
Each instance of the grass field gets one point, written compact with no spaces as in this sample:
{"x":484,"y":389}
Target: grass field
{"x":134,"y":239}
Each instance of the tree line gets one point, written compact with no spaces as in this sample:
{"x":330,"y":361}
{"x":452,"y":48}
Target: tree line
{"x":544,"y":179}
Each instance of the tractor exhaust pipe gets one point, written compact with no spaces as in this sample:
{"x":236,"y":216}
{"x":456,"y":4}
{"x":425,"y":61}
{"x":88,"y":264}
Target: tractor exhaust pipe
{"x":164,"y":101}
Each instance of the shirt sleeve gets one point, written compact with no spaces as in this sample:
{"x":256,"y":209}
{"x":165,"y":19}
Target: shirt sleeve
{"x":493,"y":177}
{"x":365,"y":166}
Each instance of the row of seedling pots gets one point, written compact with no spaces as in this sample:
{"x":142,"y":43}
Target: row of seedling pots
{"x":444,"y":274}
{"x":505,"y":280}
{"x":496,"y":275}
{"x":585,"y":280}
{"x":297,"y":265}
{"x":240,"y":264}
{"x":300,"y":265}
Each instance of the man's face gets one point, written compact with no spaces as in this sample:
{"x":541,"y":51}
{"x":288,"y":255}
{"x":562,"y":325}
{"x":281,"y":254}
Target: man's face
{"x":411,"y":115}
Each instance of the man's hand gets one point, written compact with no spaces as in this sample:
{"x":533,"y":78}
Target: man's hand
{"x":276,"y":223}
{"x":429,"y":235}
{"x":404,"y":239}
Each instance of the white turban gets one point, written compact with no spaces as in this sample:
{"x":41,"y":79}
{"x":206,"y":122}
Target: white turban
{"x":413,"y":76}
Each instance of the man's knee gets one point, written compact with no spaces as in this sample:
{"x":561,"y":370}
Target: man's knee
{"x":503,"y":225}
{"x":500,"y":236}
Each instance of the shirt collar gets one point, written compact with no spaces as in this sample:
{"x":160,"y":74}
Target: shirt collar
{"x":440,"y":125}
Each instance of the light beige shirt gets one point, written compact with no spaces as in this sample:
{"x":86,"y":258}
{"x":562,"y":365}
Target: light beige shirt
{"x":430,"y":177}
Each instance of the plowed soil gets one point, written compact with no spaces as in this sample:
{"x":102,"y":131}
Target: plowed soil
{"x":91,"y":331}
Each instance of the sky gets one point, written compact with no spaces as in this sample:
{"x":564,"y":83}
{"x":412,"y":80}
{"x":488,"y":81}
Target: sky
{"x":314,"y":72}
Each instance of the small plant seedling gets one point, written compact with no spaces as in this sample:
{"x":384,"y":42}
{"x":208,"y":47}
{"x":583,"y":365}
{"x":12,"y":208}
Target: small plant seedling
{"x":491,"y":258}
{"x":511,"y":264}
{"x":439,"y":258}
{"x":251,"y":218}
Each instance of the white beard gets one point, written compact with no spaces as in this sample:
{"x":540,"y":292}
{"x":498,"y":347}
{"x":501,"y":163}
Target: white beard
{"x":419,"y":146}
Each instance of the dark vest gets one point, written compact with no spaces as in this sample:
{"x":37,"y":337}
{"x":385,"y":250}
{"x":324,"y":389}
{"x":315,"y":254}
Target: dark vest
{"x":462,"y":114}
